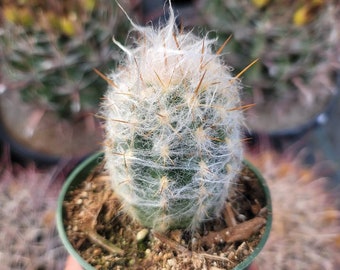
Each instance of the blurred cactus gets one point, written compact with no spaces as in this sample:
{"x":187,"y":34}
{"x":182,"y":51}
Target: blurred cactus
{"x":28,"y":199}
{"x":172,"y":121}
{"x":305,"y":233}
{"x":48,"y":86}
{"x":49,"y":50}
{"x":296,"y":42}
{"x":287,"y":50}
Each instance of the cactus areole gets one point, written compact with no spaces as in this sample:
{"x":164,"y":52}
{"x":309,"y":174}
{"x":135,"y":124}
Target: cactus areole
{"x":173,"y":128}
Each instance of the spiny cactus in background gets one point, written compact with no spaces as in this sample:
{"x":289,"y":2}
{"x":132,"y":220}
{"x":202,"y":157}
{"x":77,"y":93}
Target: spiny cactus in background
{"x":62,"y":17}
{"x":295,"y":41}
{"x":28,"y":199}
{"x":49,"y":49}
{"x":172,"y":128}
{"x":306,"y":230}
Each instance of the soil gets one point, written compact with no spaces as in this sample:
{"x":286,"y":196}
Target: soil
{"x":107,"y":238}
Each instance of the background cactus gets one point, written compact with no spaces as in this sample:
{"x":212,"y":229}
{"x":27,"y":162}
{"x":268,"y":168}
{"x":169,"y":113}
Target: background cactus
{"x":305,"y":232}
{"x":28,"y":199}
{"x":48,"y":52}
{"x":297,"y":44}
{"x":172,"y":123}
{"x":50,"y":49}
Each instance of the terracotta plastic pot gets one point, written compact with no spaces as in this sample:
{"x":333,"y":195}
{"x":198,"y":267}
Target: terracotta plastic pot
{"x":34,"y":134}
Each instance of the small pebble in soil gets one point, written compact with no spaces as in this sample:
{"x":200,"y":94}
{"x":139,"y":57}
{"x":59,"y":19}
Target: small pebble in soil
{"x":215,"y":268}
{"x":84,"y":195}
{"x":97,"y":251}
{"x":241,"y":217}
{"x":172,"y":262}
{"x":141,"y":235}
{"x":79,"y":201}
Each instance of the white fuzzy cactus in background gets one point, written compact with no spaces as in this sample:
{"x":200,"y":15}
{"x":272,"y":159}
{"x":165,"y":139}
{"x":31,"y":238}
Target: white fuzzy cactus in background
{"x":172,"y":122}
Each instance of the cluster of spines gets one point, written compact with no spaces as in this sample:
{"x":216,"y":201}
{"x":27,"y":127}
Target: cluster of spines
{"x":173,"y":129}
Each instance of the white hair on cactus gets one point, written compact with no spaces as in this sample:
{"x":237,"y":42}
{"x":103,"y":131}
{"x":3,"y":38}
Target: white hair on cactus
{"x":173,"y":142}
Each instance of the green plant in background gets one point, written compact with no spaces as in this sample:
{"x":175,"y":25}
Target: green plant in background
{"x":173,"y":129}
{"x":294,"y":40}
{"x":50,"y":48}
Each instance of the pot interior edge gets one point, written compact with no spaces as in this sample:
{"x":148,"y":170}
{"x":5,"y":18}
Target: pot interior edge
{"x":75,"y":178}
{"x":268,"y":226}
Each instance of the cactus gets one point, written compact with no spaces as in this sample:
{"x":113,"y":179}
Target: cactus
{"x":297,"y":44}
{"x":305,"y":232}
{"x":289,"y":45}
{"x":49,"y":50}
{"x":47,"y":83}
{"x":172,"y":128}
{"x":28,"y":198}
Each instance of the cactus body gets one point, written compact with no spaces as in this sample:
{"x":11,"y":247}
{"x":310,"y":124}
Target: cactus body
{"x":172,"y":128}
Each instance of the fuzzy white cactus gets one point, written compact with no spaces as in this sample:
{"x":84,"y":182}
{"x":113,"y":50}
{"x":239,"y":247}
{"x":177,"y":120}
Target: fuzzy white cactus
{"x":173,"y":139}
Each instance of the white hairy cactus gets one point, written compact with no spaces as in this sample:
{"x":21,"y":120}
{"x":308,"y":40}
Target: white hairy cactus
{"x":172,"y":122}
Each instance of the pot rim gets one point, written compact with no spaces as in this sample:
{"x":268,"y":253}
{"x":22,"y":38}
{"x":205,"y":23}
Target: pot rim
{"x":83,"y":169}
{"x":319,"y":118}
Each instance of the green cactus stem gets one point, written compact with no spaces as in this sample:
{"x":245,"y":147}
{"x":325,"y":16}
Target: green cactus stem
{"x":173,"y":128}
